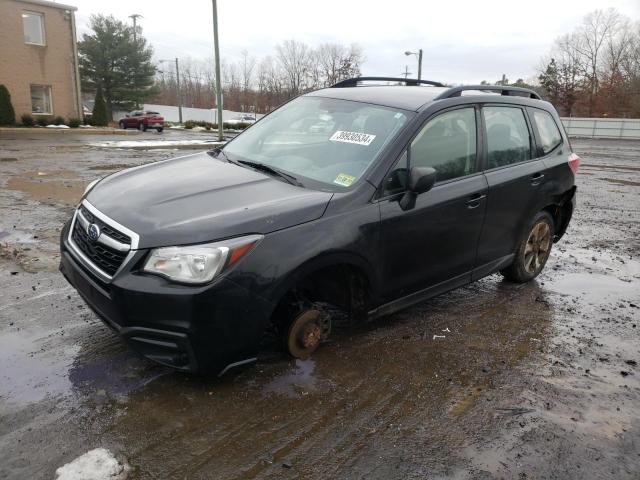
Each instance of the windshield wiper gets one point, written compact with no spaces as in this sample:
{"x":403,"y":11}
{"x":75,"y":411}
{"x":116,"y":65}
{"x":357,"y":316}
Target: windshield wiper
{"x":272,"y":170}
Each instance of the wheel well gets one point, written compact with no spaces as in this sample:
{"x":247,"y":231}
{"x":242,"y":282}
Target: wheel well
{"x":561,"y":214}
{"x":555,"y":212}
{"x":341,"y":286}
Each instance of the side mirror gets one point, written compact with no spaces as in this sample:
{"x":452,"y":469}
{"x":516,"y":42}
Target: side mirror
{"x":421,"y":180}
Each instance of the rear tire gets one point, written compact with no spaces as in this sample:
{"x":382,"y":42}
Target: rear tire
{"x":533,"y":251}
{"x":160,"y":129}
{"x":142,"y":127}
{"x":123,"y":125}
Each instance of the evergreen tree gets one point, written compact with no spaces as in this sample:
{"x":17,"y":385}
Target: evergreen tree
{"x":119,"y":61}
{"x":7,"y":114}
{"x":550,"y":82}
{"x":99,"y":115}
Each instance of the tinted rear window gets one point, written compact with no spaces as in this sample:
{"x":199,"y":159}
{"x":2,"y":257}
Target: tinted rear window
{"x":550,"y":136}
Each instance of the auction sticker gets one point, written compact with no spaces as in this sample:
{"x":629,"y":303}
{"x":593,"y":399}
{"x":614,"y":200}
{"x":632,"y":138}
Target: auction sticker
{"x":352,"y":137}
{"x":344,"y":179}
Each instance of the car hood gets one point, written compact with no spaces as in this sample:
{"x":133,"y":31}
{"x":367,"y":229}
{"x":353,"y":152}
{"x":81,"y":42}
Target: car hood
{"x":198,"y":198}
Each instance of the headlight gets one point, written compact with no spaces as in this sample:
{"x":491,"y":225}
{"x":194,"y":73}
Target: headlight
{"x":198,"y":263}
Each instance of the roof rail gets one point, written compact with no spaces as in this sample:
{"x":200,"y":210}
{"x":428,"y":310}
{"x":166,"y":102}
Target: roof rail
{"x":504,"y":90}
{"x":353,"y":82}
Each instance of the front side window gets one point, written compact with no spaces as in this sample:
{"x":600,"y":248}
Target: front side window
{"x":448,"y":144}
{"x":508,"y":139}
{"x":41,"y":99}
{"x":396,"y":181}
{"x":323,"y":139}
{"x":33,"y":25}
{"x":549,"y":134}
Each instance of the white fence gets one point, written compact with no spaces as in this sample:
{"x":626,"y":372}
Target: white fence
{"x":171,"y":114}
{"x":625,"y":128}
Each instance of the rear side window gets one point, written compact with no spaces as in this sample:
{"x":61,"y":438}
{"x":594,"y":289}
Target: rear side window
{"x":448,"y":144}
{"x":508,"y":139}
{"x":549,"y":133}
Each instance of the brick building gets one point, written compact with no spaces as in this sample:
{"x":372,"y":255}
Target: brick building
{"x":38,"y":57}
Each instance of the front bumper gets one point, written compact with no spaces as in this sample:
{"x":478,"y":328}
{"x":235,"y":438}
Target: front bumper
{"x":197,"y":329}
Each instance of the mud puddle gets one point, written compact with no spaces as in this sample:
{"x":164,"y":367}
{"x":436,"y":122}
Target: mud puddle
{"x":113,"y":166}
{"x":61,"y":186}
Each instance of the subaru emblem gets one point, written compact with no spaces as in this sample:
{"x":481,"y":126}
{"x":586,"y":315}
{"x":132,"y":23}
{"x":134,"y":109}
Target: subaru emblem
{"x":93,"y":231}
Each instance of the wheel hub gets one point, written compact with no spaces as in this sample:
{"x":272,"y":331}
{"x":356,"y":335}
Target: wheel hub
{"x":306,"y":333}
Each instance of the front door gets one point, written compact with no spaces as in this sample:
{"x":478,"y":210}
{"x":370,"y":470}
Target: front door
{"x":436,"y":240}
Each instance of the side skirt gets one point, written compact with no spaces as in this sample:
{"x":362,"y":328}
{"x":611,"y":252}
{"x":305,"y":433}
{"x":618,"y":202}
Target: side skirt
{"x":419,"y":296}
{"x":447,"y":285}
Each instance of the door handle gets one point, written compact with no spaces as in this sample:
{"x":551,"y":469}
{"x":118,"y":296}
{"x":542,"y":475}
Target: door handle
{"x":474,"y":200}
{"x":536,"y":179}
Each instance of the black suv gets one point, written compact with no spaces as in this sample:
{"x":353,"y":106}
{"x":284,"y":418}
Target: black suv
{"x":362,"y":197}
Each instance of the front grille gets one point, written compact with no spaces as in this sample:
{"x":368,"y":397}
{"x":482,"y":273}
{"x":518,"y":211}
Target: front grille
{"x":98,"y":253}
{"x":106,"y":229}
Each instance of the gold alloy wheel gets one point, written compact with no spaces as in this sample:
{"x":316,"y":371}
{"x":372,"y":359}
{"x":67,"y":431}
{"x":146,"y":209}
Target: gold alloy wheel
{"x":538,"y":247}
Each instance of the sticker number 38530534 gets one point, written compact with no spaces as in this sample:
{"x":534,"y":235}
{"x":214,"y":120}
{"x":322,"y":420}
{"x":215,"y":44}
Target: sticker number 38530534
{"x":352,"y":137}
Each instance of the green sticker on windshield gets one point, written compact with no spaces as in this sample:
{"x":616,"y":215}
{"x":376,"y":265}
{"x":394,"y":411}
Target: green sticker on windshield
{"x":344,"y":180}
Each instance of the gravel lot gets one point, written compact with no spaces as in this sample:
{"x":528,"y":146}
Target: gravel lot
{"x":530,"y":381}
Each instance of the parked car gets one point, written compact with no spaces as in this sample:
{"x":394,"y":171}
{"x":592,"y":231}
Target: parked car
{"x":142,"y":120}
{"x":416,"y":190}
{"x":244,"y":118}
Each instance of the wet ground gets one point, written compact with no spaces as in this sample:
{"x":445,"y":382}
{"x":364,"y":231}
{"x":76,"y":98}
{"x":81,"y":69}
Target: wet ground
{"x":493,"y":380}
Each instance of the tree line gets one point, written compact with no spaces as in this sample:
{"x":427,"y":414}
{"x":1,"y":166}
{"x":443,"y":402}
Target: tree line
{"x":592,"y":71}
{"x":260,"y":85}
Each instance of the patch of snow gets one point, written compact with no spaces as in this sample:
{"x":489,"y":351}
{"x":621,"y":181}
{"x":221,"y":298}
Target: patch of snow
{"x":84,"y":126}
{"x":198,"y":129}
{"x":177,"y":127}
{"x":153,"y":143}
{"x":96,"y":464}
{"x":57,"y":126}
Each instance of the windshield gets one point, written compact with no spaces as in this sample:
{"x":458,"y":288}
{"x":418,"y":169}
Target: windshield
{"x":324,"y":139}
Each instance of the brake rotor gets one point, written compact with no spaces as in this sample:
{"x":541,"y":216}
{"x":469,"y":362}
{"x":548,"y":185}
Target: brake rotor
{"x":306,"y":333}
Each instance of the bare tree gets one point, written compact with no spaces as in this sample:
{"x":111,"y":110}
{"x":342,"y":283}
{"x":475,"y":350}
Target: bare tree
{"x":596,"y":68}
{"x":597,"y":29}
{"x":294,"y":59}
{"x":261,"y":85}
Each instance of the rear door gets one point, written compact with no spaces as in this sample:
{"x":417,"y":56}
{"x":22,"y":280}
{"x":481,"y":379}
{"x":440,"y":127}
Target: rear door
{"x":436,"y":240}
{"x":515,"y":178}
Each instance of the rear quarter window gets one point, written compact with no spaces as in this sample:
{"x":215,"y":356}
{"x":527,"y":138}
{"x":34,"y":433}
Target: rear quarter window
{"x":548,"y":131}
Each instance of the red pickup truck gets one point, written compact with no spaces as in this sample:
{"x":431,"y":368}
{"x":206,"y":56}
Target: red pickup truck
{"x":142,"y":120}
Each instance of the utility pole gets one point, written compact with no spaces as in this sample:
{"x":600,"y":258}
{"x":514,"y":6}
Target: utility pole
{"x":419,"y":55}
{"x":179,"y":91}
{"x":135,"y":18}
{"x":216,"y":48}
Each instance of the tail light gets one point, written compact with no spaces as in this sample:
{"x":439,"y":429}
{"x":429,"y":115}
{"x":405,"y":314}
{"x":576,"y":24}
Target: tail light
{"x":574,"y":162}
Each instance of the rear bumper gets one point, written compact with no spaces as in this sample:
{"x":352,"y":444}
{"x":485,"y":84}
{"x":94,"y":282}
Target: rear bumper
{"x":195,"y":329}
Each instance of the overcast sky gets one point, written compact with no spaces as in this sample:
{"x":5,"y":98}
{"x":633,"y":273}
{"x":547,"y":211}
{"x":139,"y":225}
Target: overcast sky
{"x":463,"y":41}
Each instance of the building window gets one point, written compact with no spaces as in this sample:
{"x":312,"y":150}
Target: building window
{"x":33,"y":24}
{"x":41,"y":99}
